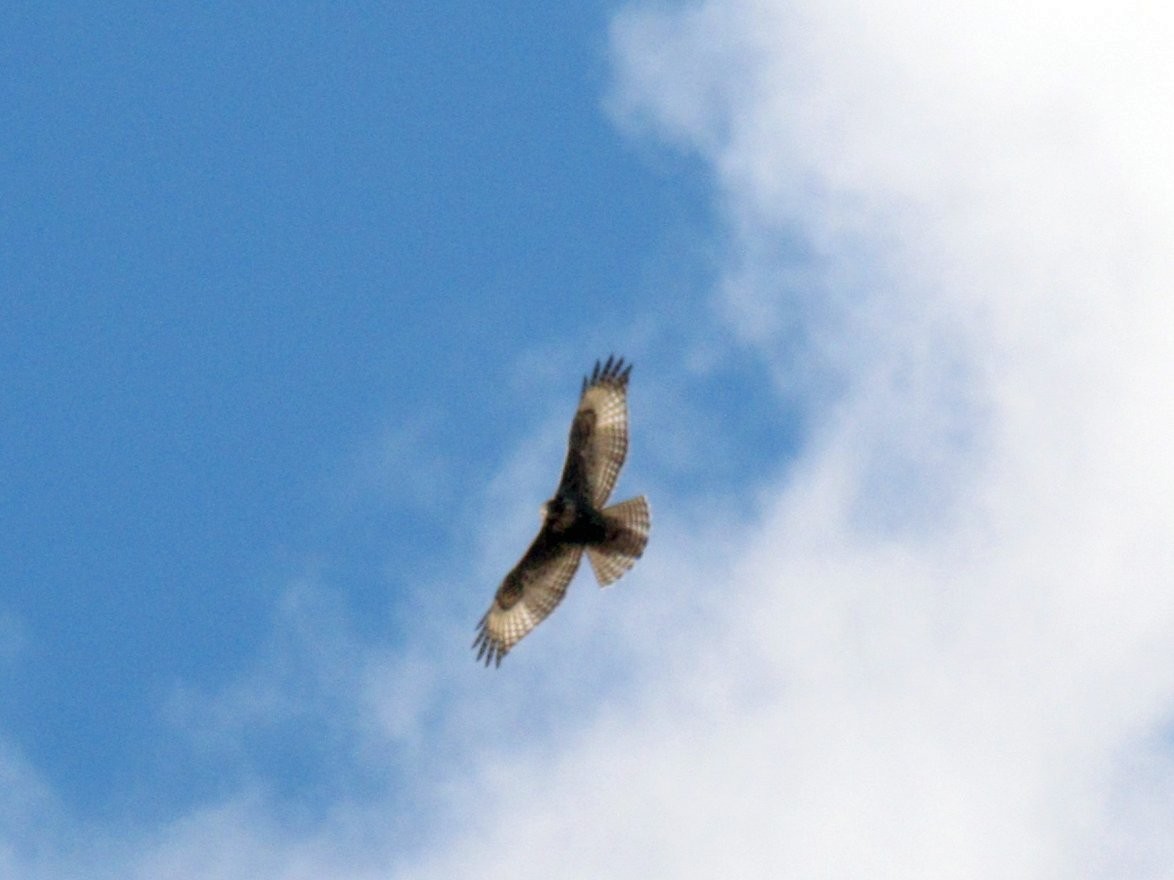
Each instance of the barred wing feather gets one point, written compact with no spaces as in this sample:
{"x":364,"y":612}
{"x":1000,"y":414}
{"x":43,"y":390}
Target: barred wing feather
{"x":527,"y":595}
{"x":600,"y":433}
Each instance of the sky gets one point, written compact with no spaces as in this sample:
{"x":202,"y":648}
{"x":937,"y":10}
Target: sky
{"x":295,"y":302}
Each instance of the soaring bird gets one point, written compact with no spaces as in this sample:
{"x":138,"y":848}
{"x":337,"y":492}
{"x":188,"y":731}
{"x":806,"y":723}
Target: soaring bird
{"x":575,"y":519}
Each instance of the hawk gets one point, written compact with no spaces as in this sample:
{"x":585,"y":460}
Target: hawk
{"x":575,"y":519}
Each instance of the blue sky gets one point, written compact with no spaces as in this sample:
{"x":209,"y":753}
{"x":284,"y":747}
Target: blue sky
{"x":294,"y":305}
{"x":248,"y":248}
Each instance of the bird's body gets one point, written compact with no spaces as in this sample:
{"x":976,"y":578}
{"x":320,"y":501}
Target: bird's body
{"x":574,"y":520}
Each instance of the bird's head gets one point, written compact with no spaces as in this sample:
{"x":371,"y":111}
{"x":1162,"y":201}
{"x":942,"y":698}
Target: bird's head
{"x":553,"y":508}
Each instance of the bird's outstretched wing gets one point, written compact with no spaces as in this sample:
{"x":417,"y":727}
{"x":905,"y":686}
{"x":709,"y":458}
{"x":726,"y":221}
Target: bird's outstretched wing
{"x":527,"y":595}
{"x":596,"y":451}
{"x":599,"y":433}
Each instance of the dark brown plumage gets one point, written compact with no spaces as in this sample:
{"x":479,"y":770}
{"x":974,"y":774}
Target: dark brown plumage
{"x":574,"y":520}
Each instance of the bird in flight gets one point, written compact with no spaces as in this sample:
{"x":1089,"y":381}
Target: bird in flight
{"x":575,"y":519}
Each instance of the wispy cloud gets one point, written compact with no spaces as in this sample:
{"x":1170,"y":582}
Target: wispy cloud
{"x":945,"y":648}
{"x":941,"y":642}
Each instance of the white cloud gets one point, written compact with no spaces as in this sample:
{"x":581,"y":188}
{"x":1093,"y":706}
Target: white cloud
{"x":942,"y":644}
{"x":949,"y":648}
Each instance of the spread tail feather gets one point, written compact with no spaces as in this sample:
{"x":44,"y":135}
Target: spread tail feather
{"x":628,"y":524}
